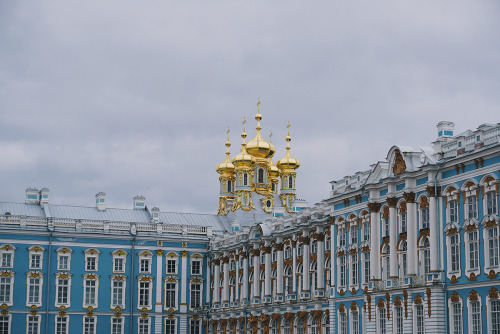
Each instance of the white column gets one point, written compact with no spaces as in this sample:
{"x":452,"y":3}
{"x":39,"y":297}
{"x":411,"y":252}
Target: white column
{"x":267,"y":272}
{"x":236,"y":280}
{"x":245,"y":277}
{"x":321,"y":264}
{"x":184,"y":292}
{"x":159,"y":282}
{"x":433,"y":231}
{"x":374,"y":240}
{"x":411,"y":236}
{"x":225,"y":287}
{"x":256,"y":274}
{"x":305,"y":266}
{"x":294,"y":263}
{"x":216,"y":262}
{"x":332,"y":257}
{"x":208,"y":280}
{"x":279,"y":269}
{"x":393,"y":237}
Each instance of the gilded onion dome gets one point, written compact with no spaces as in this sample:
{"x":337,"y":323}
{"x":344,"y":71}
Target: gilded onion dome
{"x":258,"y":147}
{"x":226,"y":166}
{"x":243,"y":159}
{"x":288,"y":162}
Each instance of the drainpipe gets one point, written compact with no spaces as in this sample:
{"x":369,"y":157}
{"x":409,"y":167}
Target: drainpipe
{"x":132,"y":281}
{"x":50,"y":228}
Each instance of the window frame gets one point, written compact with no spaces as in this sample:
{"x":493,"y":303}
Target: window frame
{"x":33,"y":319}
{"x":170,"y":281}
{"x":192,"y":305}
{"x":118,"y":279}
{"x":92,"y":321}
{"x":88,"y":281}
{"x":34,"y":276}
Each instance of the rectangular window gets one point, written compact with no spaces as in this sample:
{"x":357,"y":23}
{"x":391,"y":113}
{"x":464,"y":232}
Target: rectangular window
{"x":455,"y":253}
{"x":195,"y":327}
{"x":170,"y":326}
{"x":342,"y":277}
{"x":195,"y":295}
{"x":144,"y":294}
{"x":62,"y":291}
{"x":90,"y":293}
{"x":342,"y":323}
{"x":5,"y":290}
{"x":118,"y":265}
{"x":144,"y":266}
{"x":403,"y":222}
{"x":495,"y":316}
{"x":7,"y":260}
{"x":419,"y":309}
{"x":453,"y":211}
{"x":457,"y":318}
{"x":170,"y":294}
{"x":36,"y":261}
{"x":399,"y":320}
{"x":61,"y":325}
{"x":63,"y":262}
{"x":366,"y":269}
{"x":354,"y":234}
{"x":382,"y":321}
{"x":33,"y":324}
{"x":89,"y":325}
{"x":472,"y":206}
{"x":171,"y":266}
{"x":117,"y":325}
{"x":354,"y":322}
{"x":118,"y":293}
{"x":492,"y":247}
{"x":91,"y":263}
{"x":491,"y":203}
{"x":342,"y":240}
{"x":473,"y":250}
{"x":34,"y":285}
{"x":143,"y":325}
{"x":385,"y":222}
{"x":4,"y":324}
{"x":354,"y":269}
{"x":424,"y":217}
{"x":475,"y":310}
{"x":366,"y":231}
{"x":195,"y":267}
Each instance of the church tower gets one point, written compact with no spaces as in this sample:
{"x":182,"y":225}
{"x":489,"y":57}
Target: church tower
{"x":249,"y":181}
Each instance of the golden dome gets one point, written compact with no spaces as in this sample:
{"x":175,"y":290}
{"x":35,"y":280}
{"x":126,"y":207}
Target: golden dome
{"x":273,"y":170}
{"x":258,"y":147}
{"x":243,"y":159}
{"x":288,"y":162}
{"x":226,"y":166}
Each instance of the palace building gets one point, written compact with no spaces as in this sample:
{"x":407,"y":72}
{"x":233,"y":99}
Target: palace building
{"x":409,"y":245}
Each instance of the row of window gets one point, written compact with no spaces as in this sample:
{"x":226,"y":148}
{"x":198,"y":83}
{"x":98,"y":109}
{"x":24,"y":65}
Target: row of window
{"x":300,"y":326}
{"x":92,"y":261}
{"x":89,"y":325}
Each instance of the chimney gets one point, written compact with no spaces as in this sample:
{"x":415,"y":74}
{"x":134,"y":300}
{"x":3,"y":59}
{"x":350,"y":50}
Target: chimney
{"x":155,"y":215}
{"x":32,"y":196}
{"x":100,"y":201}
{"x":44,"y":196}
{"x":235,"y":226}
{"x":139,"y":202}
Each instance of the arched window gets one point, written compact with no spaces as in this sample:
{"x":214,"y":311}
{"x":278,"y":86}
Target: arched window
{"x":289,"y":280}
{"x":288,"y":252}
{"x":326,"y":324}
{"x":328,"y":272}
{"x":299,"y":249}
{"x":314,"y":325}
{"x":386,"y":262}
{"x":328,"y":243}
{"x":381,"y":320}
{"x":290,"y":182}
{"x":491,"y":244}
{"x":472,"y":250}
{"x":456,"y":321}
{"x":494,"y":315}
{"x":366,"y":231}
{"x":420,"y":319}
{"x":314,"y":275}
{"x":491,"y":203}
{"x":424,"y":213}
{"x":229,"y":186}
{"x":426,"y":256}
{"x":300,"y":326}
{"x":402,"y":218}
{"x":471,"y":206}
{"x":286,"y":326}
{"x":342,"y":323}
{"x":314,"y":247}
{"x":274,"y":327}
{"x":403,"y":259}
{"x":354,"y":268}
{"x":260,"y":175}
{"x":342,"y":237}
{"x":354,"y":324}
{"x":232,"y":290}
{"x":245,"y":179}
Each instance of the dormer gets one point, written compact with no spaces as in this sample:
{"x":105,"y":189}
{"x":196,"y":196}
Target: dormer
{"x":44,"y":196}
{"x":155,"y":215}
{"x":139,"y":202}
{"x":32,"y":196}
{"x":100,"y":201}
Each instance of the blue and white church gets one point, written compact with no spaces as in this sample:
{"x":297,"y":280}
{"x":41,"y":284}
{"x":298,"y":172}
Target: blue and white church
{"x":409,"y":245}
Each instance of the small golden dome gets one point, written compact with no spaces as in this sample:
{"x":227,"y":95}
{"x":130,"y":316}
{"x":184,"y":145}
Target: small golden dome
{"x":226,"y":166}
{"x":258,"y":147}
{"x":243,"y":159}
{"x":273,"y":170}
{"x":288,"y":162}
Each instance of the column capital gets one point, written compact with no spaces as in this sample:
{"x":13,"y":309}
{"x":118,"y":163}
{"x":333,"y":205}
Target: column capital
{"x":410,"y":197}
{"x":374,"y":207}
{"x":216,"y":262}
{"x":433,"y":191}
{"x":279,"y":246}
{"x":392,"y":201}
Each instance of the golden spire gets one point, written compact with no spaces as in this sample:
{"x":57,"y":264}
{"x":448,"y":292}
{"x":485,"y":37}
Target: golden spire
{"x":258,"y":116}
{"x":228,"y":143}
{"x":258,"y":147}
{"x":244,"y":134}
{"x":226,"y":166}
{"x":288,"y":162}
{"x":243,"y":158}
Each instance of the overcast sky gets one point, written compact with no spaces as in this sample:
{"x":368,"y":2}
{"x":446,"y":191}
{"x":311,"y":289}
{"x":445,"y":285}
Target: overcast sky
{"x":135,"y":97}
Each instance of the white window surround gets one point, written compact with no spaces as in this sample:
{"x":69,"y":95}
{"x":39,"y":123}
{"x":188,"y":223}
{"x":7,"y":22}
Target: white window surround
{"x":489,"y":310}
{"x":171,"y":264}
{"x":354,"y":321}
{"x":63,"y":321}
{"x":145,"y":282}
{"x":123,"y":280}
{"x":91,"y":288}
{"x":449,"y":236}
{"x":63,"y":277}
{"x":199,"y":283}
{"x":456,"y":325}
{"x":174,"y":329}
{"x":145,"y":322}
{"x":119,"y":255}
{"x":36,"y":263}
{"x":34,"y":280}
{"x":470,"y":192}
{"x":35,"y":321}
{"x":114,"y":321}
{"x":491,"y":248}
{"x":470,"y":312}
{"x":490,"y":187}
{"x":199,"y":258}
{"x":7,"y":252}
{"x":8,"y":321}
{"x":92,"y":322}
{"x":381,"y":319}
{"x":92,"y":259}
{"x":472,"y":252}
{"x":171,"y":280}
{"x":7,"y":279}
{"x":145,"y":255}
{"x":354,"y":271}
{"x":64,"y":264}
{"x":416,"y":321}
{"x":450,"y":196}
{"x":341,"y":273}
